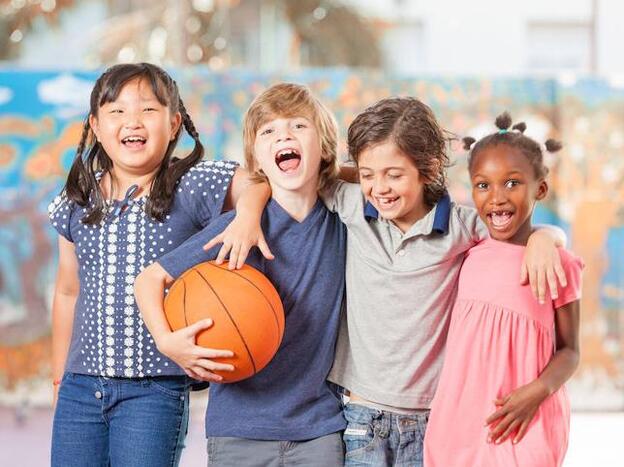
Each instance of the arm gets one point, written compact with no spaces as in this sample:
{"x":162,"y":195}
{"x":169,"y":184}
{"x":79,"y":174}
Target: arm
{"x":244,"y":231}
{"x":179,"y":346}
{"x":542,"y":262}
{"x":349,"y":173}
{"x":241,"y":181}
{"x":65,"y":295}
{"x":516,"y":410}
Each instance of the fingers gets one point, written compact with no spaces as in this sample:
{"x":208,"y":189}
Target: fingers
{"x":524,"y":272}
{"x":533,"y":281}
{"x":223,"y":252}
{"x":513,"y":426}
{"x":234,"y":253}
{"x":213,"y":242}
{"x":199,"y":326}
{"x":551,"y":278}
{"x":521,"y":432}
{"x":239,"y":261}
{"x":200,"y":374}
{"x":496,"y":415}
{"x":541,"y":285}
{"x":203,"y":352}
{"x":500,"y":428}
{"x":264,"y":248}
{"x":561,"y":275}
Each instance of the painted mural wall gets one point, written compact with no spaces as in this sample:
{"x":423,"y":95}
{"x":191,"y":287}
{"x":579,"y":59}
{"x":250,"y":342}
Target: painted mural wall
{"x":41,"y":114}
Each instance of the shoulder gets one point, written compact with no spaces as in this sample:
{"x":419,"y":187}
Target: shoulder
{"x":465,"y":221}
{"x":570,"y":261}
{"x":208,"y":170}
{"x":60,"y":203}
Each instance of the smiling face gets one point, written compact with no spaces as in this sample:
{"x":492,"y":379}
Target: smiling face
{"x":135,"y":129}
{"x":505,"y":189}
{"x":288,"y":151}
{"x":392,"y":183}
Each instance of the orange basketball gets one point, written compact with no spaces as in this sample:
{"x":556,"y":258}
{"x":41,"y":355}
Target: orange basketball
{"x":244,"y":306}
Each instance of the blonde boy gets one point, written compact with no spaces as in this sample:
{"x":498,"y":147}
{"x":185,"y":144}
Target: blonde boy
{"x":287,"y":414}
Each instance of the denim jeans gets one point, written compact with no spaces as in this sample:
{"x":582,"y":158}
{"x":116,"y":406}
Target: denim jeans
{"x":120,"y":421}
{"x":380,"y":438}
{"x":325,"y":451}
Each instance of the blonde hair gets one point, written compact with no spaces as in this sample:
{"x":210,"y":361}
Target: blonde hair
{"x":287,"y":100}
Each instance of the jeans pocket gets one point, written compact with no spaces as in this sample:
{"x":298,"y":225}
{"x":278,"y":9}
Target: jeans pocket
{"x":175,"y":387}
{"x":359,"y":435}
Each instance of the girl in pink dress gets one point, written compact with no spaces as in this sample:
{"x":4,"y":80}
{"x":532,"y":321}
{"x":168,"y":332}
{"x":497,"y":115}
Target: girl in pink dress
{"x":501,"y":401}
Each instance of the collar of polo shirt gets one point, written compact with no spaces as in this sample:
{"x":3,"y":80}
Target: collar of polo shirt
{"x":440,"y":220}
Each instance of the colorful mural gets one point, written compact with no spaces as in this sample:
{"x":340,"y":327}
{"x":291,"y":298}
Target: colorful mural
{"x":41,"y":115}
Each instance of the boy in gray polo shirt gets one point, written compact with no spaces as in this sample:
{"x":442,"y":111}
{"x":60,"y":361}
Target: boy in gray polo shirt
{"x":406,"y":242}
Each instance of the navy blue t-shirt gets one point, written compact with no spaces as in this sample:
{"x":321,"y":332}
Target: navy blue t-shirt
{"x":290,"y":398}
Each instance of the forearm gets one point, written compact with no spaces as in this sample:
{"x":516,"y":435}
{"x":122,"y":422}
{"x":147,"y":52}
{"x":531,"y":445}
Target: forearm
{"x":349,"y":173}
{"x":253,"y":200}
{"x":149,"y":291}
{"x":560,"y":368}
{"x":62,"y":326}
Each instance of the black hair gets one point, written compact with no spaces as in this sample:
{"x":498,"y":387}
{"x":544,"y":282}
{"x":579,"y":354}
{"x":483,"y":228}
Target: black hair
{"x":514,"y":138}
{"x":82,"y":184}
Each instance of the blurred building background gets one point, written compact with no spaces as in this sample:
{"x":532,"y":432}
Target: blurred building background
{"x":554,"y":64}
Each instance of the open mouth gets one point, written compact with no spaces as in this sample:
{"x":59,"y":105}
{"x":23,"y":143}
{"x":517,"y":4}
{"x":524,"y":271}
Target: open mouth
{"x":288,"y":160}
{"x":500,"y":220}
{"x":134,"y":142}
{"x":386,"y":203}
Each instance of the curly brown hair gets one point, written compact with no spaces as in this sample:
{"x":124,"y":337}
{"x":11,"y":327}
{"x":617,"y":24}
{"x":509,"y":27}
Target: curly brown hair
{"x":412,"y":126}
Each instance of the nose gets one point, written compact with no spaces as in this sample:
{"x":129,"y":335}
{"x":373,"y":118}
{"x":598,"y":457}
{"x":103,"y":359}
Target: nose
{"x":498,"y":196}
{"x":132,"y":120}
{"x":283,"y":134}
{"x":380,"y":186}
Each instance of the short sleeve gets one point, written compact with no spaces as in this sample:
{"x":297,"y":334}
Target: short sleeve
{"x":201,"y":191}
{"x":573,"y":268}
{"x":473,"y":223}
{"x":60,"y":212}
{"x":190,"y":253}
{"x":345,"y":199}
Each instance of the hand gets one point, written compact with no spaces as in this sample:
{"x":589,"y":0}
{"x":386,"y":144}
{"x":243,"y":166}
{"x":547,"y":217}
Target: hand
{"x":515,"y":412}
{"x":542,"y":264}
{"x":196,"y":361}
{"x":238,"y":238}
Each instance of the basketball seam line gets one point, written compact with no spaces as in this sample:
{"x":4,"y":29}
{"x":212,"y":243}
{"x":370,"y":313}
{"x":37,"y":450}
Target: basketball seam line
{"x":184,"y":302}
{"x":261,"y":293}
{"x":253,"y":363}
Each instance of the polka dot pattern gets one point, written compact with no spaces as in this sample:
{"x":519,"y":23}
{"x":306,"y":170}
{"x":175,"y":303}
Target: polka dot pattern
{"x":109,"y":337}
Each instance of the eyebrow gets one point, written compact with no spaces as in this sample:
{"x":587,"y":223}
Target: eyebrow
{"x":385,"y":168}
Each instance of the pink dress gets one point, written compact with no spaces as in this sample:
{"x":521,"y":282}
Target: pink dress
{"x":500,"y":338}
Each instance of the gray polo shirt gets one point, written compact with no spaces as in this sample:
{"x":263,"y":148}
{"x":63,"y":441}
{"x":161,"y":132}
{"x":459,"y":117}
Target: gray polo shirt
{"x":400,"y":292}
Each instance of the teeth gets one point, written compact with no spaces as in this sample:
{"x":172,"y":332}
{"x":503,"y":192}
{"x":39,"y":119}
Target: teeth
{"x":133,"y":139}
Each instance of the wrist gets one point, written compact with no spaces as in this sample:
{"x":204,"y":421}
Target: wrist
{"x":543,"y":389}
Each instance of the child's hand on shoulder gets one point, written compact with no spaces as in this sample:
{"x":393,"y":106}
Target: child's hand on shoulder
{"x":243,"y":233}
{"x":541,"y":265}
{"x":196,"y":361}
{"x":515,"y":412}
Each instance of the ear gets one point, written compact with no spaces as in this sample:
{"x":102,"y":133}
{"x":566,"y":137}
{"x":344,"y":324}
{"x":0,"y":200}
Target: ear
{"x":542,"y":190}
{"x":95,"y":128}
{"x":176,"y":121}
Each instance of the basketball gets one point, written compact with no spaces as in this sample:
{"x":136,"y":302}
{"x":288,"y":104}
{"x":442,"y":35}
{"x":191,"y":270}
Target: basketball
{"x":247,"y":314}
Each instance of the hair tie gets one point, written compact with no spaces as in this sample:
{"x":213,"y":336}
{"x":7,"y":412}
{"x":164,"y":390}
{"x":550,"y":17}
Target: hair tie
{"x":503,"y":131}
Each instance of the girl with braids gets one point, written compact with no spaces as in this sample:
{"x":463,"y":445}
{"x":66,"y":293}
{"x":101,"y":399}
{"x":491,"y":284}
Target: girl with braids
{"x":500,"y":400}
{"x":127,"y":201}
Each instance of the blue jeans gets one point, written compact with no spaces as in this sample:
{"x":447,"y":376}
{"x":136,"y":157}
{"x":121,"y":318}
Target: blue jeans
{"x":379,"y":438}
{"x":120,"y":421}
